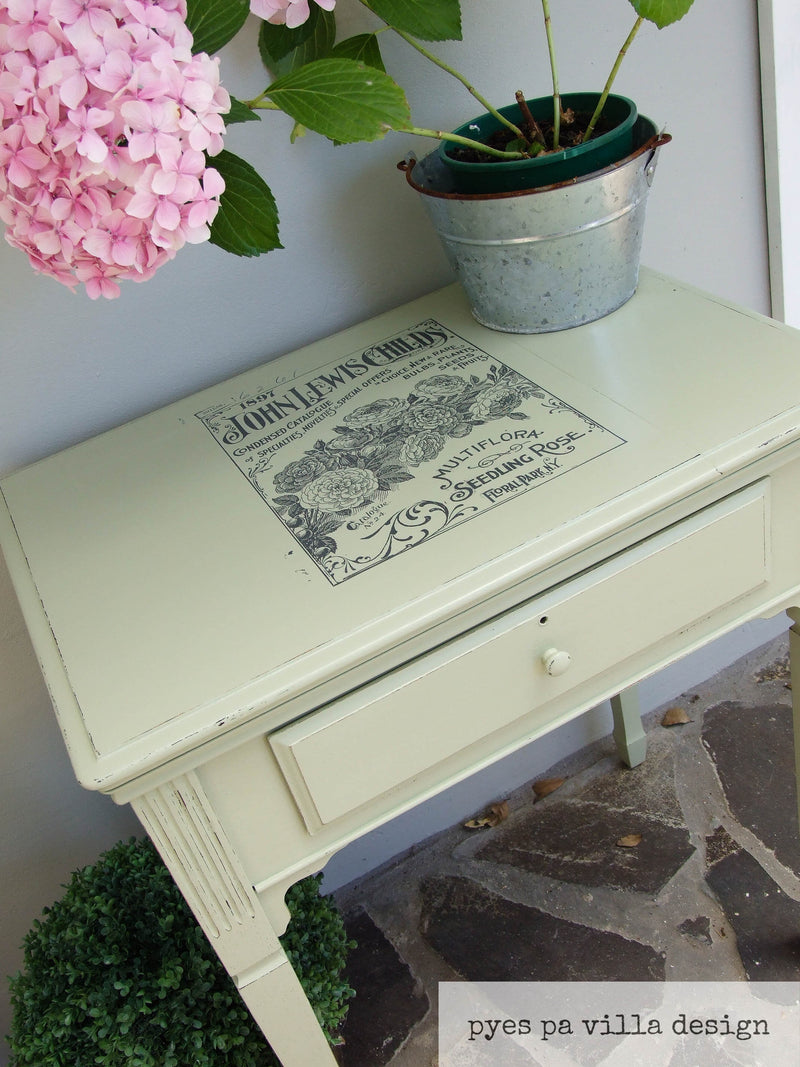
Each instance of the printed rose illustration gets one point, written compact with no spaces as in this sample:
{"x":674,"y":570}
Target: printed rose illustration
{"x":380,"y":443}
{"x":438,"y":417}
{"x":497,"y":400}
{"x":440,"y":387}
{"x":378,"y":413}
{"x":298,"y":474}
{"x":352,"y":442}
{"x":340,"y":490}
{"x":419,"y":447}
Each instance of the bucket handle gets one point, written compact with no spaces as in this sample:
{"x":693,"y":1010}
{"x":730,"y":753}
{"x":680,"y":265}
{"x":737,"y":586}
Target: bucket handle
{"x":406,"y":166}
{"x":652,"y":146}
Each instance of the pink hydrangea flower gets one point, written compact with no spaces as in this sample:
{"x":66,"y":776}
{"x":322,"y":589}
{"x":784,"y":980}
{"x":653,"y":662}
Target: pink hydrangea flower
{"x":105,"y":116}
{"x":289,"y":12}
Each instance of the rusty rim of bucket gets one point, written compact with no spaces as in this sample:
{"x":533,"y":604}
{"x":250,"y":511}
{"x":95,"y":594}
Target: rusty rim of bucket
{"x":650,"y":145}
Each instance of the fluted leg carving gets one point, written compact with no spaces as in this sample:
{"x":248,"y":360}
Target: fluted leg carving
{"x":180,"y":821}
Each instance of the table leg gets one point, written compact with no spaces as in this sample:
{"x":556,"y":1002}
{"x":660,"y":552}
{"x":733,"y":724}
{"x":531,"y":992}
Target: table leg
{"x":794,"y":664}
{"x":183,"y":826}
{"x":628,"y":732}
{"x":278,"y":1004}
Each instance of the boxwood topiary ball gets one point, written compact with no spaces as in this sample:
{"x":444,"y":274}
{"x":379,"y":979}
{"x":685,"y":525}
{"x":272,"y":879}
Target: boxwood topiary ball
{"x":118,"y":973}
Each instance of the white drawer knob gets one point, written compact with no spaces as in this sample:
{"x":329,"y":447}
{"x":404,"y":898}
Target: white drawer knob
{"x":555,"y":661}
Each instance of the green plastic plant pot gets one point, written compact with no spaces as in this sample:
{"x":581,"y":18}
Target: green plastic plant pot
{"x":512,"y":175}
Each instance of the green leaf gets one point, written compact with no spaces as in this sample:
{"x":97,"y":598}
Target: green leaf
{"x":363,"y":48}
{"x":240,"y":112}
{"x":661,"y":12}
{"x":140,"y":993}
{"x":342,"y":99}
{"x":275,"y":42}
{"x":214,"y":22}
{"x":283,"y":50}
{"x":432,"y":20}
{"x":247,"y":221}
{"x":516,"y":145}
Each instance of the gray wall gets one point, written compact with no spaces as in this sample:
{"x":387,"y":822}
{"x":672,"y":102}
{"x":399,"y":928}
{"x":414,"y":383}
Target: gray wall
{"x":356,"y":243}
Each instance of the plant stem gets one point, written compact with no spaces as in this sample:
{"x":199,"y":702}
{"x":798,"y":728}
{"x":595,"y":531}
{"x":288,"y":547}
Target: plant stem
{"x":441,"y":135}
{"x":548,"y":29}
{"x":601,"y":103}
{"x":460,"y":77}
{"x":531,"y":121}
{"x":261,"y":103}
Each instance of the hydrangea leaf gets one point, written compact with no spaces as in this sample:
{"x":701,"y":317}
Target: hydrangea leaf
{"x":240,"y":112}
{"x":214,"y":22}
{"x":342,"y":99}
{"x":661,"y":12}
{"x":363,"y":47}
{"x":247,"y":221}
{"x":283,"y":49}
{"x":276,"y":42}
{"x":432,"y":20}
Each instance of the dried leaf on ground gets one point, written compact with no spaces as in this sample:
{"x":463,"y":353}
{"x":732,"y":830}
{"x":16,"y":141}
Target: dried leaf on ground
{"x":630,"y":840}
{"x":493,"y":815}
{"x":779,"y":671}
{"x":674,"y":717}
{"x":547,"y":785}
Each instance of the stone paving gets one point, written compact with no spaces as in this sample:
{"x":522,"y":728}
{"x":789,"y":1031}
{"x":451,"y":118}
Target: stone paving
{"x":711,"y":891}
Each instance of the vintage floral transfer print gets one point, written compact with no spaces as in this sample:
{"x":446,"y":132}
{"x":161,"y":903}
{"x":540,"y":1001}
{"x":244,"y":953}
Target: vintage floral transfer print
{"x":378,"y":453}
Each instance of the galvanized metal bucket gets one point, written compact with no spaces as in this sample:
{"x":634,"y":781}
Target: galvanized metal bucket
{"x":545,"y":259}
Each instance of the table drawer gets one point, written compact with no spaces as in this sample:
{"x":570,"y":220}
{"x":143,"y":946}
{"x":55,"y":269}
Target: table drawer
{"x":398,"y":726}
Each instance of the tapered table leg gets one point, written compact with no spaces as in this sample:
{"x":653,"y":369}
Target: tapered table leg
{"x":193,"y":844}
{"x":278,"y":1004}
{"x":794,"y":662}
{"x":628,"y":732}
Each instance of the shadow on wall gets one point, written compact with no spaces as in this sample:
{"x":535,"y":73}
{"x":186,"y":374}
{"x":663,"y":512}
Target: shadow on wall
{"x":51,"y":825}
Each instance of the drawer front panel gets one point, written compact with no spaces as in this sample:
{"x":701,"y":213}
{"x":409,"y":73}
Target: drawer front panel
{"x":392,"y":729}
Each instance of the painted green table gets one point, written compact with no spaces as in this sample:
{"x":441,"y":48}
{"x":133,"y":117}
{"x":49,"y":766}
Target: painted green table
{"x":278,"y":613}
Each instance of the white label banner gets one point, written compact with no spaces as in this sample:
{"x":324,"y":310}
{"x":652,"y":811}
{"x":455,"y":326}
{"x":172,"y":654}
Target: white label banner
{"x":619,"y":1024}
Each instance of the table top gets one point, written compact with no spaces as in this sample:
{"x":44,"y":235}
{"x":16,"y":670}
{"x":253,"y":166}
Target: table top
{"x":228,"y":556}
